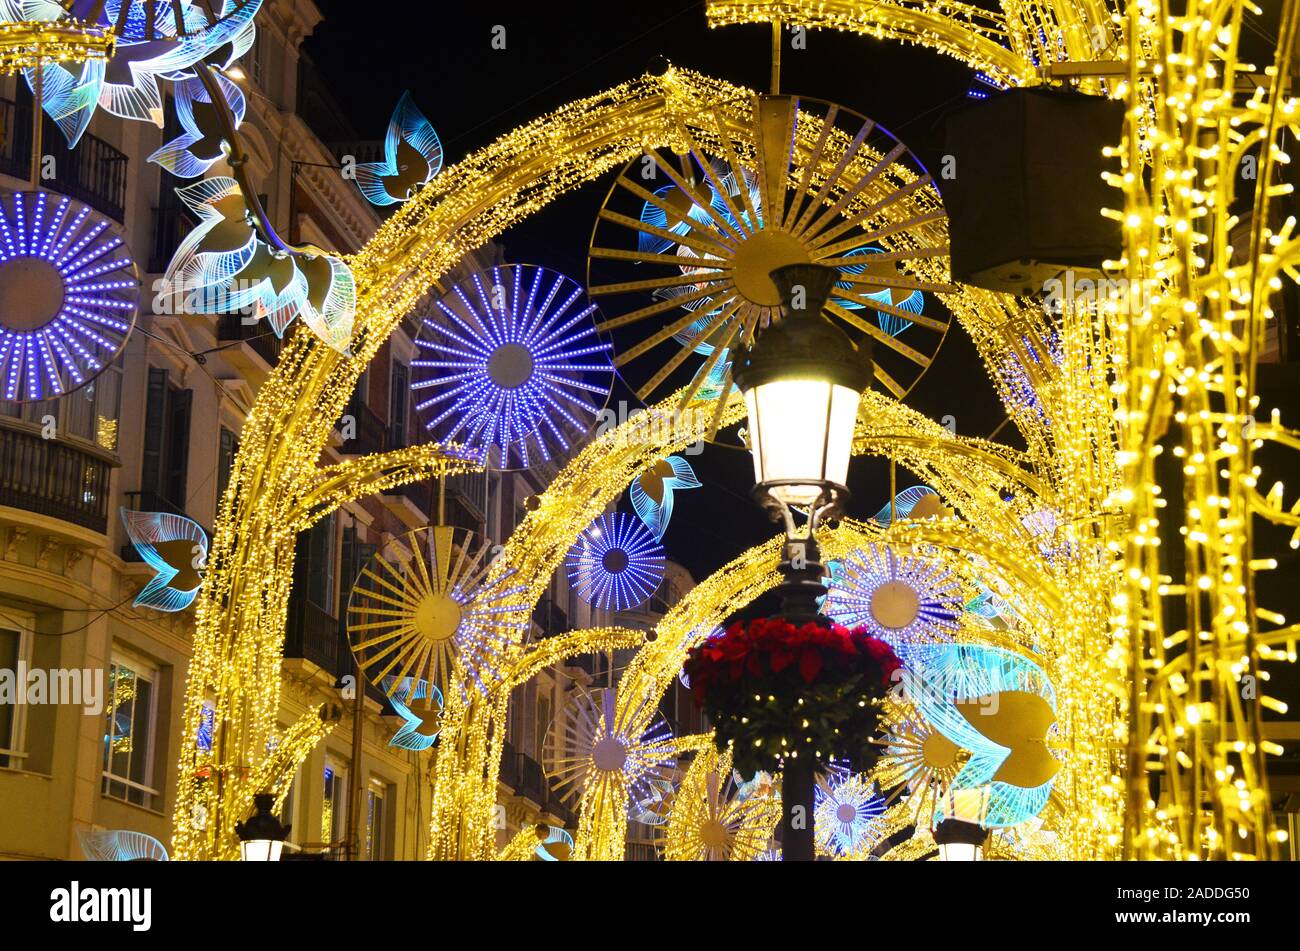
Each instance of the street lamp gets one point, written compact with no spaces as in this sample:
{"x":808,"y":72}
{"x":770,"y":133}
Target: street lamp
{"x":961,"y":834}
{"x":802,"y":379}
{"x":262,"y":835}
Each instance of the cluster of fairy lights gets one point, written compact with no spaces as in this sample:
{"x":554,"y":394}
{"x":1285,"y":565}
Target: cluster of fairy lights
{"x":1083,"y":460}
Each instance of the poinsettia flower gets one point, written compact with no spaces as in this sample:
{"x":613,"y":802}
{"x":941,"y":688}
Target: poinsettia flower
{"x":412,"y":157}
{"x":201,"y":146}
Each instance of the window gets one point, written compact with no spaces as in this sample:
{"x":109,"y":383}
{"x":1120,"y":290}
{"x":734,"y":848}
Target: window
{"x":226,"y":451}
{"x":15,"y":650}
{"x":320,"y":565}
{"x":375,"y":843}
{"x":355,"y":556}
{"x":166,"y":442}
{"x":399,"y":396}
{"x":129,"y":733}
{"x":334,"y":804}
{"x":91,"y":413}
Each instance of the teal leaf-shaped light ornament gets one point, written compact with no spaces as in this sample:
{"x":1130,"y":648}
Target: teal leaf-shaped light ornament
{"x":652,"y":492}
{"x":176,"y":548}
{"x":412,"y":157}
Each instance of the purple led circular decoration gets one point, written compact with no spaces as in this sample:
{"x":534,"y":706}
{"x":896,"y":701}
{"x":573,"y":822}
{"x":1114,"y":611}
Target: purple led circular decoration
{"x":616,"y":564}
{"x":68,"y":295}
{"x":511,"y":366}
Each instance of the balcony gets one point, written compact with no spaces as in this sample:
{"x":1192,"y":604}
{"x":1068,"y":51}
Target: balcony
{"x":314,"y":635}
{"x":256,"y":338}
{"x":94,"y":172}
{"x":54,"y":478}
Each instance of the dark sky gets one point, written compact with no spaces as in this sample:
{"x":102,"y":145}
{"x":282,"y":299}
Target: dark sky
{"x":473,"y":93}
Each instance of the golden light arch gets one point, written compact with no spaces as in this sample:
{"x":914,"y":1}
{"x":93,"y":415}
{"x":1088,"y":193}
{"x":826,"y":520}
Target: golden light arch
{"x":278,"y":488}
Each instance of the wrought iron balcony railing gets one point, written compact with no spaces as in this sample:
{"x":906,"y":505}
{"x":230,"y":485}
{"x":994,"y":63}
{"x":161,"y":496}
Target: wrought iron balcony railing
{"x":94,"y":172}
{"x":54,"y":478}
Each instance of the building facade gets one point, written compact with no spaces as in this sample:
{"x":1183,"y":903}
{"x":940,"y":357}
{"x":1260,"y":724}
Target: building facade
{"x":158,"y":432}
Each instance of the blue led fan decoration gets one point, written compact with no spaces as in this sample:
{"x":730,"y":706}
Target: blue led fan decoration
{"x":903,"y":504}
{"x":654,"y":806}
{"x":221,"y":267}
{"x":201,"y":145}
{"x":511,"y":366}
{"x":616,"y":564}
{"x":120,"y":845}
{"x":652,"y":492}
{"x":412,"y":157}
{"x":420,"y":709}
{"x":1001,"y":707}
{"x":176,"y":548}
{"x":68,"y":295}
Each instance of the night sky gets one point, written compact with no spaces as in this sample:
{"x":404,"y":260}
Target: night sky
{"x":473,"y":93}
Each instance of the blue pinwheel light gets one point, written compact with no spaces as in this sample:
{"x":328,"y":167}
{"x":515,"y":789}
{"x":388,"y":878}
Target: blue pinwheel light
{"x":616,"y":564}
{"x":904,"y":600}
{"x":848,"y":814}
{"x":420,"y":707}
{"x":200,"y":146}
{"x":512,"y":366}
{"x":173,"y":546}
{"x":207,"y":726}
{"x":68,"y":295}
{"x":1001,"y":707}
{"x":412,"y":157}
{"x":652,"y":492}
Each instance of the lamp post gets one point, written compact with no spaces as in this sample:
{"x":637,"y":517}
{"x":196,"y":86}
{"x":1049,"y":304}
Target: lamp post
{"x":262,"y":835}
{"x":960,"y":834}
{"x":802,"y":380}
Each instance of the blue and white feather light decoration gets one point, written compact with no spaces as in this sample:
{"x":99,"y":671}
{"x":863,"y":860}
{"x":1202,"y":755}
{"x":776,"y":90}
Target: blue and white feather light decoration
{"x":412,"y":157}
{"x":1001,"y":707}
{"x":652,"y":492}
{"x":176,"y":548}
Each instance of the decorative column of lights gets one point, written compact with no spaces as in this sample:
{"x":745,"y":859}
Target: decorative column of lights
{"x":1193,"y":129}
{"x":802,"y":379}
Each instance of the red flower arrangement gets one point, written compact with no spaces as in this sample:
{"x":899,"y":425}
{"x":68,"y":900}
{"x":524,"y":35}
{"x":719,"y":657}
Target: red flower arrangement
{"x":771,"y":688}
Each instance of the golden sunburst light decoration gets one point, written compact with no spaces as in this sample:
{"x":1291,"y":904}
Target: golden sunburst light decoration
{"x":916,"y":761}
{"x":701,"y":226}
{"x":593,"y":748}
{"x":416,"y":613}
{"x":712,"y":821}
